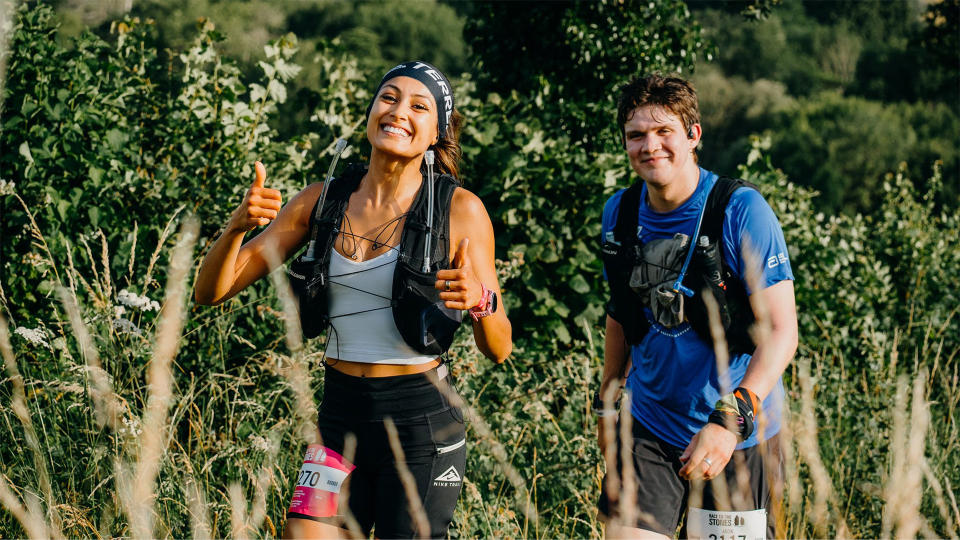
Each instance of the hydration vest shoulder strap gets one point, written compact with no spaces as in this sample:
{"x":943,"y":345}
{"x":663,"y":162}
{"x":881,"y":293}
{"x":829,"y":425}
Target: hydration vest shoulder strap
{"x":734,"y":299}
{"x":716,"y":206}
{"x":444,"y":187}
{"x":415,"y":228}
{"x":625,"y":231}
{"x":339,"y":191}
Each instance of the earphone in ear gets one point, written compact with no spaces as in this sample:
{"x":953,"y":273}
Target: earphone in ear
{"x":690,"y":133}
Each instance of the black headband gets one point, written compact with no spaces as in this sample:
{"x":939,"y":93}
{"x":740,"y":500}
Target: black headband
{"x":436,"y":83}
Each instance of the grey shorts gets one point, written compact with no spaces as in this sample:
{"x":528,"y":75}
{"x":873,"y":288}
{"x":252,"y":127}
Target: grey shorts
{"x":662,"y":496}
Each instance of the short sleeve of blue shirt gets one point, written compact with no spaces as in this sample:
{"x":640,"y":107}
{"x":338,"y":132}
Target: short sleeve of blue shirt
{"x":752,"y":236}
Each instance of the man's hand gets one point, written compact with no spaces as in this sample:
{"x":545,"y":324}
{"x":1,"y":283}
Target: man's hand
{"x":708,"y":452}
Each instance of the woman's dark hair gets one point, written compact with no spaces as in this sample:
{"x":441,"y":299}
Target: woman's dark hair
{"x":447,"y":150}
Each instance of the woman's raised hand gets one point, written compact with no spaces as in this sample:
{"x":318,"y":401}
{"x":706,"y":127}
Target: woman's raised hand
{"x":459,"y":286}
{"x":260,"y":205}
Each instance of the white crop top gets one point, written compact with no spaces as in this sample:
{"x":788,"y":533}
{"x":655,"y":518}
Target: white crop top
{"x":362,"y":323}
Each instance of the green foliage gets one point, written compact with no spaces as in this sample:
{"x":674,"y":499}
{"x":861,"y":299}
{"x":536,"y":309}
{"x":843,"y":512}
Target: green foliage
{"x":750,"y":9}
{"x":379,"y":32}
{"x":822,"y":54}
{"x":112,"y":143}
{"x":549,"y":133}
{"x":731,"y":109}
{"x":939,"y":41}
{"x":374,"y":34}
{"x":109,"y":136}
{"x":536,"y":411}
{"x":843,"y":146}
{"x":594,"y":47}
{"x":892,"y":21}
{"x":870,"y":290}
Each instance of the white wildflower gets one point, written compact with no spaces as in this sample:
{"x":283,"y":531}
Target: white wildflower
{"x":6,"y":187}
{"x":34,"y":260}
{"x":131,"y":426}
{"x":261,"y":443}
{"x":118,"y":311}
{"x":131,"y":299}
{"x":126,"y":326}
{"x":36,"y":336}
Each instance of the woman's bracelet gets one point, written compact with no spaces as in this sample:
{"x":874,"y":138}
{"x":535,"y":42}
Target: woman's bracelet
{"x":487,"y":305}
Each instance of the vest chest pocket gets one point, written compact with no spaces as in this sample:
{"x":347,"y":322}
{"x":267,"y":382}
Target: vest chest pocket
{"x":308,"y":281}
{"x":421,"y":317}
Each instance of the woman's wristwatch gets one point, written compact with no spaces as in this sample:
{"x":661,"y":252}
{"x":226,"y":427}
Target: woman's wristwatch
{"x":487,"y":306}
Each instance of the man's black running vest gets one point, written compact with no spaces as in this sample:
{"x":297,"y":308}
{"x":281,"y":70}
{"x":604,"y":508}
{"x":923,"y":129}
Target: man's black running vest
{"x":708,"y":270}
{"x":421,"y":317}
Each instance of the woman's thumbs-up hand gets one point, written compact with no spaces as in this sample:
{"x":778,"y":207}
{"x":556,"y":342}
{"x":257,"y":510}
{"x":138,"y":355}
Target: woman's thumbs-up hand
{"x":260,"y":205}
{"x":459,"y":286}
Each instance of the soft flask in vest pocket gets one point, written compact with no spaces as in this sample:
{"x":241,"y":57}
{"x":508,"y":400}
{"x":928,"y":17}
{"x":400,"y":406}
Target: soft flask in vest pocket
{"x":420,"y":314}
{"x":308,"y":281}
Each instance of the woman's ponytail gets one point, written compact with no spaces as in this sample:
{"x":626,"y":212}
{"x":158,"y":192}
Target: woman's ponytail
{"x":447,"y":150}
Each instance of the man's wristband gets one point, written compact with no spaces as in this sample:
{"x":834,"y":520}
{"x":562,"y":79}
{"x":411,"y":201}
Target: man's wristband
{"x":599,"y":407}
{"x":737,"y":412}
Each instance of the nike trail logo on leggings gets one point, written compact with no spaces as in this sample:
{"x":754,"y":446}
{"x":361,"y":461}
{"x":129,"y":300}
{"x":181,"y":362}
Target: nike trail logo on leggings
{"x":450,"y":477}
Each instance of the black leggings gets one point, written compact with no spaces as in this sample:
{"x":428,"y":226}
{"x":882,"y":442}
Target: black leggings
{"x":431,"y":433}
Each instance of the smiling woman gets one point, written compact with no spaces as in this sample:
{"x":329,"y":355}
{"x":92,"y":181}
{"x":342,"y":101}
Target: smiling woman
{"x":403,"y":254}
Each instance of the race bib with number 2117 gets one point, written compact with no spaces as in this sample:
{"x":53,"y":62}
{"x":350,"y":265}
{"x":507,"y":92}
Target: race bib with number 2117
{"x":716,"y":525}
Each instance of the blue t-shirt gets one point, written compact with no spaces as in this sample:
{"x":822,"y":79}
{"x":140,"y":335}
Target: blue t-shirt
{"x":673,"y":380}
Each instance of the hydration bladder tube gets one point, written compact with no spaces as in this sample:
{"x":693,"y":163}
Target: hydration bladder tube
{"x":678,"y":286}
{"x":338,"y":149}
{"x":428,"y":157}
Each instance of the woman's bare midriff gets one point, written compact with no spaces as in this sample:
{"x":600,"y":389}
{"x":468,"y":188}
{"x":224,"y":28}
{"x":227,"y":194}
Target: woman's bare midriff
{"x":361,"y":369}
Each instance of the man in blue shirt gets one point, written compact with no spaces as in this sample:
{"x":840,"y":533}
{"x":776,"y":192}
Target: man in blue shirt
{"x":693,"y":418}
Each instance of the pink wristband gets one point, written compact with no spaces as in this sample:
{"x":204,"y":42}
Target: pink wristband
{"x":482,"y":309}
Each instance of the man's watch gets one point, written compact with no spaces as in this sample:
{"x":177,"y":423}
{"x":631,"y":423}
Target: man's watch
{"x":488,"y":304}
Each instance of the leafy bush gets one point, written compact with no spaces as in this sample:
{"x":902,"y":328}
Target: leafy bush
{"x":843,"y":146}
{"x":870,"y":290}
{"x":116,"y":138}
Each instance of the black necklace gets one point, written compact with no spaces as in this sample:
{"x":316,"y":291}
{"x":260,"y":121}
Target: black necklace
{"x":376,"y":243}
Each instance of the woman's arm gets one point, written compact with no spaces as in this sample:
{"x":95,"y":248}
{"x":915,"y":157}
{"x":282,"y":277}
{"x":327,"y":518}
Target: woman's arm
{"x":473,"y":264}
{"x":231,"y":265}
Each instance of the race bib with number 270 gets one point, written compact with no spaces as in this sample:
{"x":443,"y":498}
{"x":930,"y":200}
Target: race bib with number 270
{"x":319,"y":482}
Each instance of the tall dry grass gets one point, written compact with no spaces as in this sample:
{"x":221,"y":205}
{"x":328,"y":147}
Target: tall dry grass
{"x":166,"y":451}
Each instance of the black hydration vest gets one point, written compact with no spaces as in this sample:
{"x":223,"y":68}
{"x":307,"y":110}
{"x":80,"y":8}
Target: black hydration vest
{"x":708,"y":270}
{"x":421,"y":317}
